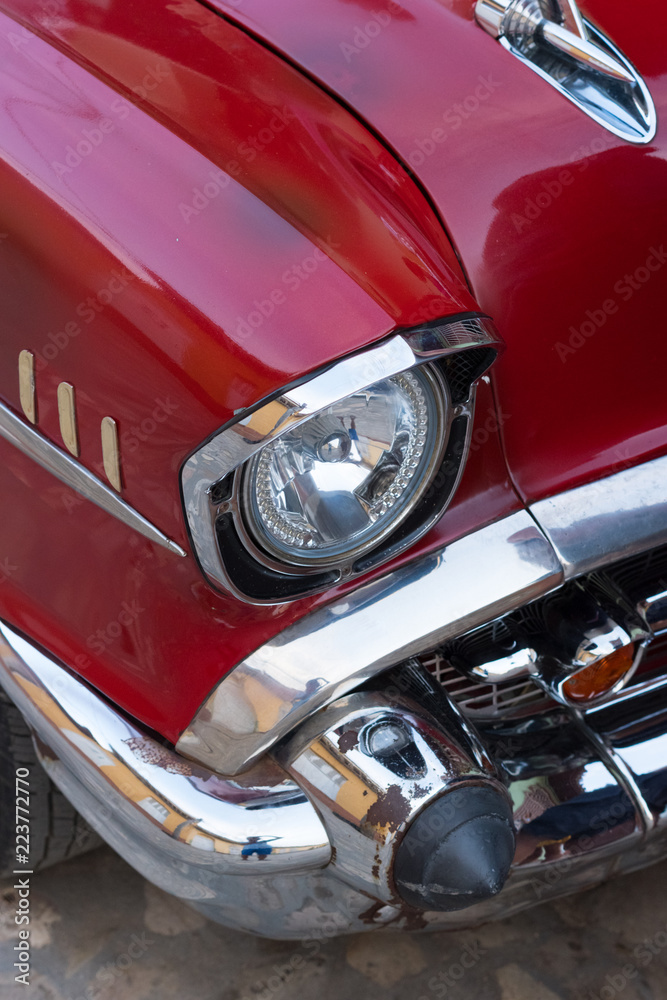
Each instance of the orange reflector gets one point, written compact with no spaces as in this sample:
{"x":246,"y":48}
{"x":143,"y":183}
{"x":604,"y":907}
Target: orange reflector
{"x":600,"y":677}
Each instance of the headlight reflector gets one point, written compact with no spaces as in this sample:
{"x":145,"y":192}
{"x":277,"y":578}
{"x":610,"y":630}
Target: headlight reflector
{"x":345,"y":478}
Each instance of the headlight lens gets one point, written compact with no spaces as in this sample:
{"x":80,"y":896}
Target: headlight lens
{"x":344,"y":479}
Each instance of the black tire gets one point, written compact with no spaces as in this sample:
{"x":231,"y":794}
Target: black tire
{"x":57,"y":831}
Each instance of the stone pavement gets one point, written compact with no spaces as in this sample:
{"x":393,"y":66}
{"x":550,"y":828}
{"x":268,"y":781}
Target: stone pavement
{"x":100,"y":932}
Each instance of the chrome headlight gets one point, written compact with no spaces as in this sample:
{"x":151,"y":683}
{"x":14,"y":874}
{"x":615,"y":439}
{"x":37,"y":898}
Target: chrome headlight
{"x":339,"y":483}
{"x":341,"y":472}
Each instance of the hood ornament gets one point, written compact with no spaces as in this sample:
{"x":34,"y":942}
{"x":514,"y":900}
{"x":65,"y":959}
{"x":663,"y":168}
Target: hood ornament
{"x":553,"y":38}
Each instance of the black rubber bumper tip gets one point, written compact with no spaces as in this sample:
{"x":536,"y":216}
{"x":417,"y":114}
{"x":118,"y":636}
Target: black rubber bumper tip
{"x":458,"y":851}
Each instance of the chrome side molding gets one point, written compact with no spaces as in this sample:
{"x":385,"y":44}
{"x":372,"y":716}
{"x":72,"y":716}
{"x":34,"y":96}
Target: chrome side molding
{"x":68,"y":471}
{"x":608,"y":520}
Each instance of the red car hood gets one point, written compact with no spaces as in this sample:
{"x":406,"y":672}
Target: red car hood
{"x":559,"y":224}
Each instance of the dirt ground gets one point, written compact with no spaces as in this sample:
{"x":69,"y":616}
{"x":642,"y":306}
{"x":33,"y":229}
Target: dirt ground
{"x":100,"y":932}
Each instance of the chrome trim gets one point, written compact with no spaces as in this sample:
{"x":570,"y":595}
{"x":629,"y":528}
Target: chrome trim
{"x":490,"y":14}
{"x":654,"y":686}
{"x":616,"y":765}
{"x":607,"y":520}
{"x":524,"y":22}
{"x":556,"y":673}
{"x":628,"y":781}
{"x":232,"y":446}
{"x":578,"y":47}
{"x":572,"y":19}
{"x":517,"y":664}
{"x":624,"y":775}
{"x":653,"y":611}
{"x":634,"y":731}
{"x":602,"y":83}
{"x":575,"y":824}
{"x":368,"y":801}
{"x":74,"y":475}
{"x":422,"y":605}
{"x":580,"y":633}
{"x":326,"y":654}
{"x":143,"y":798}
{"x":580,"y":625}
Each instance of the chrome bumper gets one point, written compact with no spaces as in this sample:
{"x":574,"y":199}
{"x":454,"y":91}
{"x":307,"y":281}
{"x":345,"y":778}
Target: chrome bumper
{"x":336,"y":648}
{"x":192,"y":833}
{"x":182,"y":826}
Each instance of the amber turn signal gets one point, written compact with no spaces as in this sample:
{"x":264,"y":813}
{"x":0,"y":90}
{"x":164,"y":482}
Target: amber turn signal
{"x":600,"y":677}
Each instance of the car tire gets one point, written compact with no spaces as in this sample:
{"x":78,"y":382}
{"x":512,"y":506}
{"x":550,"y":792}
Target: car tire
{"x":57,"y":831}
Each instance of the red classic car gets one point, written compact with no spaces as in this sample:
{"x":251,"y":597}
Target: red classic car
{"x":333,"y":546}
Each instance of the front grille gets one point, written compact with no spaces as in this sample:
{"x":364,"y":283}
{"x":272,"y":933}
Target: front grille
{"x":655,"y":659}
{"x":641,"y":575}
{"x":464,"y":368}
{"x":633,"y":578}
{"x":511,"y":699}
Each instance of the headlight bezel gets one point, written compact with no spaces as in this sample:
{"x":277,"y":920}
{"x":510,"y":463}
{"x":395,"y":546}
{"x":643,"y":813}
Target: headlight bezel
{"x":459,"y":349}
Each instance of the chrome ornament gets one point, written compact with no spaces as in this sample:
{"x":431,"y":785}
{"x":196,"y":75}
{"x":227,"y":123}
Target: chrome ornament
{"x":553,"y":38}
{"x":373,"y":764}
{"x":67,"y":416}
{"x":111,"y":452}
{"x":27,"y":389}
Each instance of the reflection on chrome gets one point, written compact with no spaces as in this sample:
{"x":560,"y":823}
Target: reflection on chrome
{"x":635,"y":728}
{"x":334,"y":649}
{"x":610,"y":519}
{"x":177,"y":808}
{"x":653,"y":611}
{"x":372,"y":762}
{"x":517,"y":664}
{"x":577,"y":59}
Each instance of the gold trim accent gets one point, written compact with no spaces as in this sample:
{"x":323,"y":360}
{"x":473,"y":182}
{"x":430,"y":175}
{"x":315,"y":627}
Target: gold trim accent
{"x":27,"y":385}
{"x":111,"y":452}
{"x":56,"y":461}
{"x":67,"y":416}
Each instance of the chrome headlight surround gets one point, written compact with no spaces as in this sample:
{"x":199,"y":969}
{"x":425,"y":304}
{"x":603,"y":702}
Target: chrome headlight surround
{"x":456,"y":352}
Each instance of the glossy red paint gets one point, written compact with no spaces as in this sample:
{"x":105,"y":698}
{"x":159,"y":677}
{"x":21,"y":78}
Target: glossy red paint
{"x":552,"y":215}
{"x":130,"y":277}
